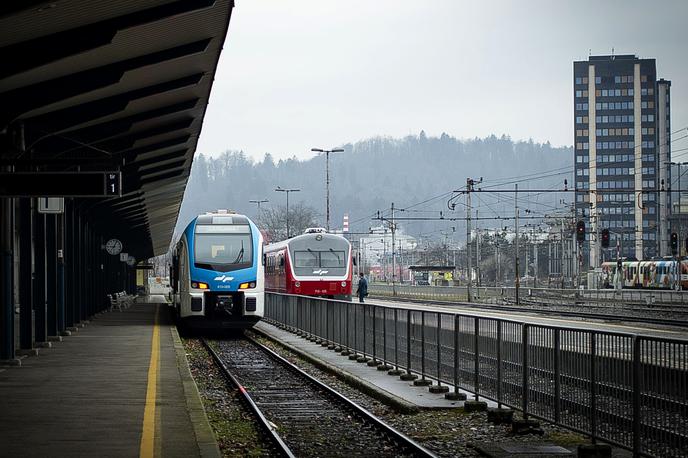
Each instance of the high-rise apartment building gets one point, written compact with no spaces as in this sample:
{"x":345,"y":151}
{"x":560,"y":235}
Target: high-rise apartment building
{"x":622,"y":151}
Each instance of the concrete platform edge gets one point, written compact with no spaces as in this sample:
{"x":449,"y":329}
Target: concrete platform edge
{"x":374,"y":391}
{"x":205,"y":437}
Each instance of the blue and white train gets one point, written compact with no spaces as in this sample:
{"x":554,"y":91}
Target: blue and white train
{"x":217,"y":272}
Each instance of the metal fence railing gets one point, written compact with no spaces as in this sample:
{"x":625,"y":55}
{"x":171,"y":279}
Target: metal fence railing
{"x":552,"y":295}
{"x":625,"y":389}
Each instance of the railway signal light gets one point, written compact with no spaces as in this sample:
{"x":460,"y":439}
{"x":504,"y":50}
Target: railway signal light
{"x":605,"y":238}
{"x":580,"y":231}
{"x":674,"y":243}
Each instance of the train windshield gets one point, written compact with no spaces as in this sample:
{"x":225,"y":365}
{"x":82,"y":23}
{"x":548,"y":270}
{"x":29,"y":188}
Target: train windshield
{"x":223,"y":248}
{"x":312,"y":258}
{"x":326,"y":256}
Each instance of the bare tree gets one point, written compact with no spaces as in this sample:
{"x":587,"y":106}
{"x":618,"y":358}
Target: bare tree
{"x":273,"y":220}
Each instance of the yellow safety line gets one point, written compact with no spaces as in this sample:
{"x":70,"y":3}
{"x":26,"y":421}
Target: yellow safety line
{"x":148,"y":435}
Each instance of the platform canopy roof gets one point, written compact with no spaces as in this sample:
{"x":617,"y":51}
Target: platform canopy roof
{"x":111,"y":85}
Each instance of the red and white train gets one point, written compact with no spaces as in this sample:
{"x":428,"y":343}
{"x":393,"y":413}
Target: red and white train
{"x":312,"y":264}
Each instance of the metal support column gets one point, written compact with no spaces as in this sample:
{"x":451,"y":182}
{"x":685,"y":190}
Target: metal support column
{"x":69,"y":265}
{"x":39,"y":300}
{"x":51,"y":274}
{"x":25,"y":274}
{"x":60,"y":273}
{"x":79,"y":267}
{"x":6,"y":279}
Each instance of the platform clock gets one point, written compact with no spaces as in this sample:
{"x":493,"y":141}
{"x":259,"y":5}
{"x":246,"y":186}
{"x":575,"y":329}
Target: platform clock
{"x":113,"y":247}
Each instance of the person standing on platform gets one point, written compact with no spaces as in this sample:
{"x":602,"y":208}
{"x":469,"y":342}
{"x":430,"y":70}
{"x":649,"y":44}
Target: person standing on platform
{"x":362,"y":290}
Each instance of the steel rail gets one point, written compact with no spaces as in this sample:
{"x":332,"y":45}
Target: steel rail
{"x":549,"y":313}
{"x":264,"y":422}
{"x":396,"y":436}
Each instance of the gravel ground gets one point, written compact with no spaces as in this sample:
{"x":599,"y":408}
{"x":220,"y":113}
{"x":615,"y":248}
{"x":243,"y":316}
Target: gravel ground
{"x":448,"y":432}
{"x":235,"y":429}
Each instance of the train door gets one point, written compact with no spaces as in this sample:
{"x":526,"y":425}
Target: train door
{"x":184,"y":296}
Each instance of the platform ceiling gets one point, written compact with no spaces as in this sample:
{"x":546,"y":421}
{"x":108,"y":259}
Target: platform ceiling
{"x":111,"y":85}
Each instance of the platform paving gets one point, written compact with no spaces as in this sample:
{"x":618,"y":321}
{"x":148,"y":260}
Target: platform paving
{"x":86,"y":395}
{"x":390,"y":388}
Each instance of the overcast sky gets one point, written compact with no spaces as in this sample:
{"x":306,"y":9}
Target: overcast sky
{"x":319,"y":73}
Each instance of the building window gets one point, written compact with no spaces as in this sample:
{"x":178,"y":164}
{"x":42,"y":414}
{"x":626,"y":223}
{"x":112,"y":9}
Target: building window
{"x":643,"y":78}
{"x":631,"y":92}
{"x":579,"y":80}
{"x":598,"y":80}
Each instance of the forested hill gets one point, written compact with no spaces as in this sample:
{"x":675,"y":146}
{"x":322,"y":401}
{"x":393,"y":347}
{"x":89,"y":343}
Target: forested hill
{"x":373,"y":173}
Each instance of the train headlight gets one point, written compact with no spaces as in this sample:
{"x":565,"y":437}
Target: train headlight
{"x":297,"y":284}
{"x":343,"y":284}
{"x":247,"y":285}
{"x":199,"y":285}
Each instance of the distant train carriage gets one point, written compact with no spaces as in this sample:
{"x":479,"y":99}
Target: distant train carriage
{"x":659,"y":274}
{"x":313,"y":264}
{"x":217,"y":272}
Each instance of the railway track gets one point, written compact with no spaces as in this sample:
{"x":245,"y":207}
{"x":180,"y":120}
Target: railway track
{"x":543,"y":311}
{"x":303,"y":416}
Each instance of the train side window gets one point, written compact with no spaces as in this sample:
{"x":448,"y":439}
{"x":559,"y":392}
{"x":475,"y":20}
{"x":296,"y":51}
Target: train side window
{"x":264,"y":258}
{"x":281,"y":262}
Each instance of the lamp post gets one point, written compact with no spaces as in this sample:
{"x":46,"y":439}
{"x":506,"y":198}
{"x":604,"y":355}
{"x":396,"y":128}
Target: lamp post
{"x":327,"y":177}
{"x":258,"y":202}
{"x":280,"y":189}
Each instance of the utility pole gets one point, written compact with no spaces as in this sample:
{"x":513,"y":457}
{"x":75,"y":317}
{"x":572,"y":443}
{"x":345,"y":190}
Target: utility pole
{"x":384,"y":255}
{"x":469,"y":188}
{"x":394,"y":261}
{"x":498,"y":262}
{"x":470,"y":183}
{"x":535,"y":264}
{"x":561,"y":253}
{"x":477,"y":250}
{"x":527,"y":272}
{"x":401,"y":262}
{"x":518,"y":279}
